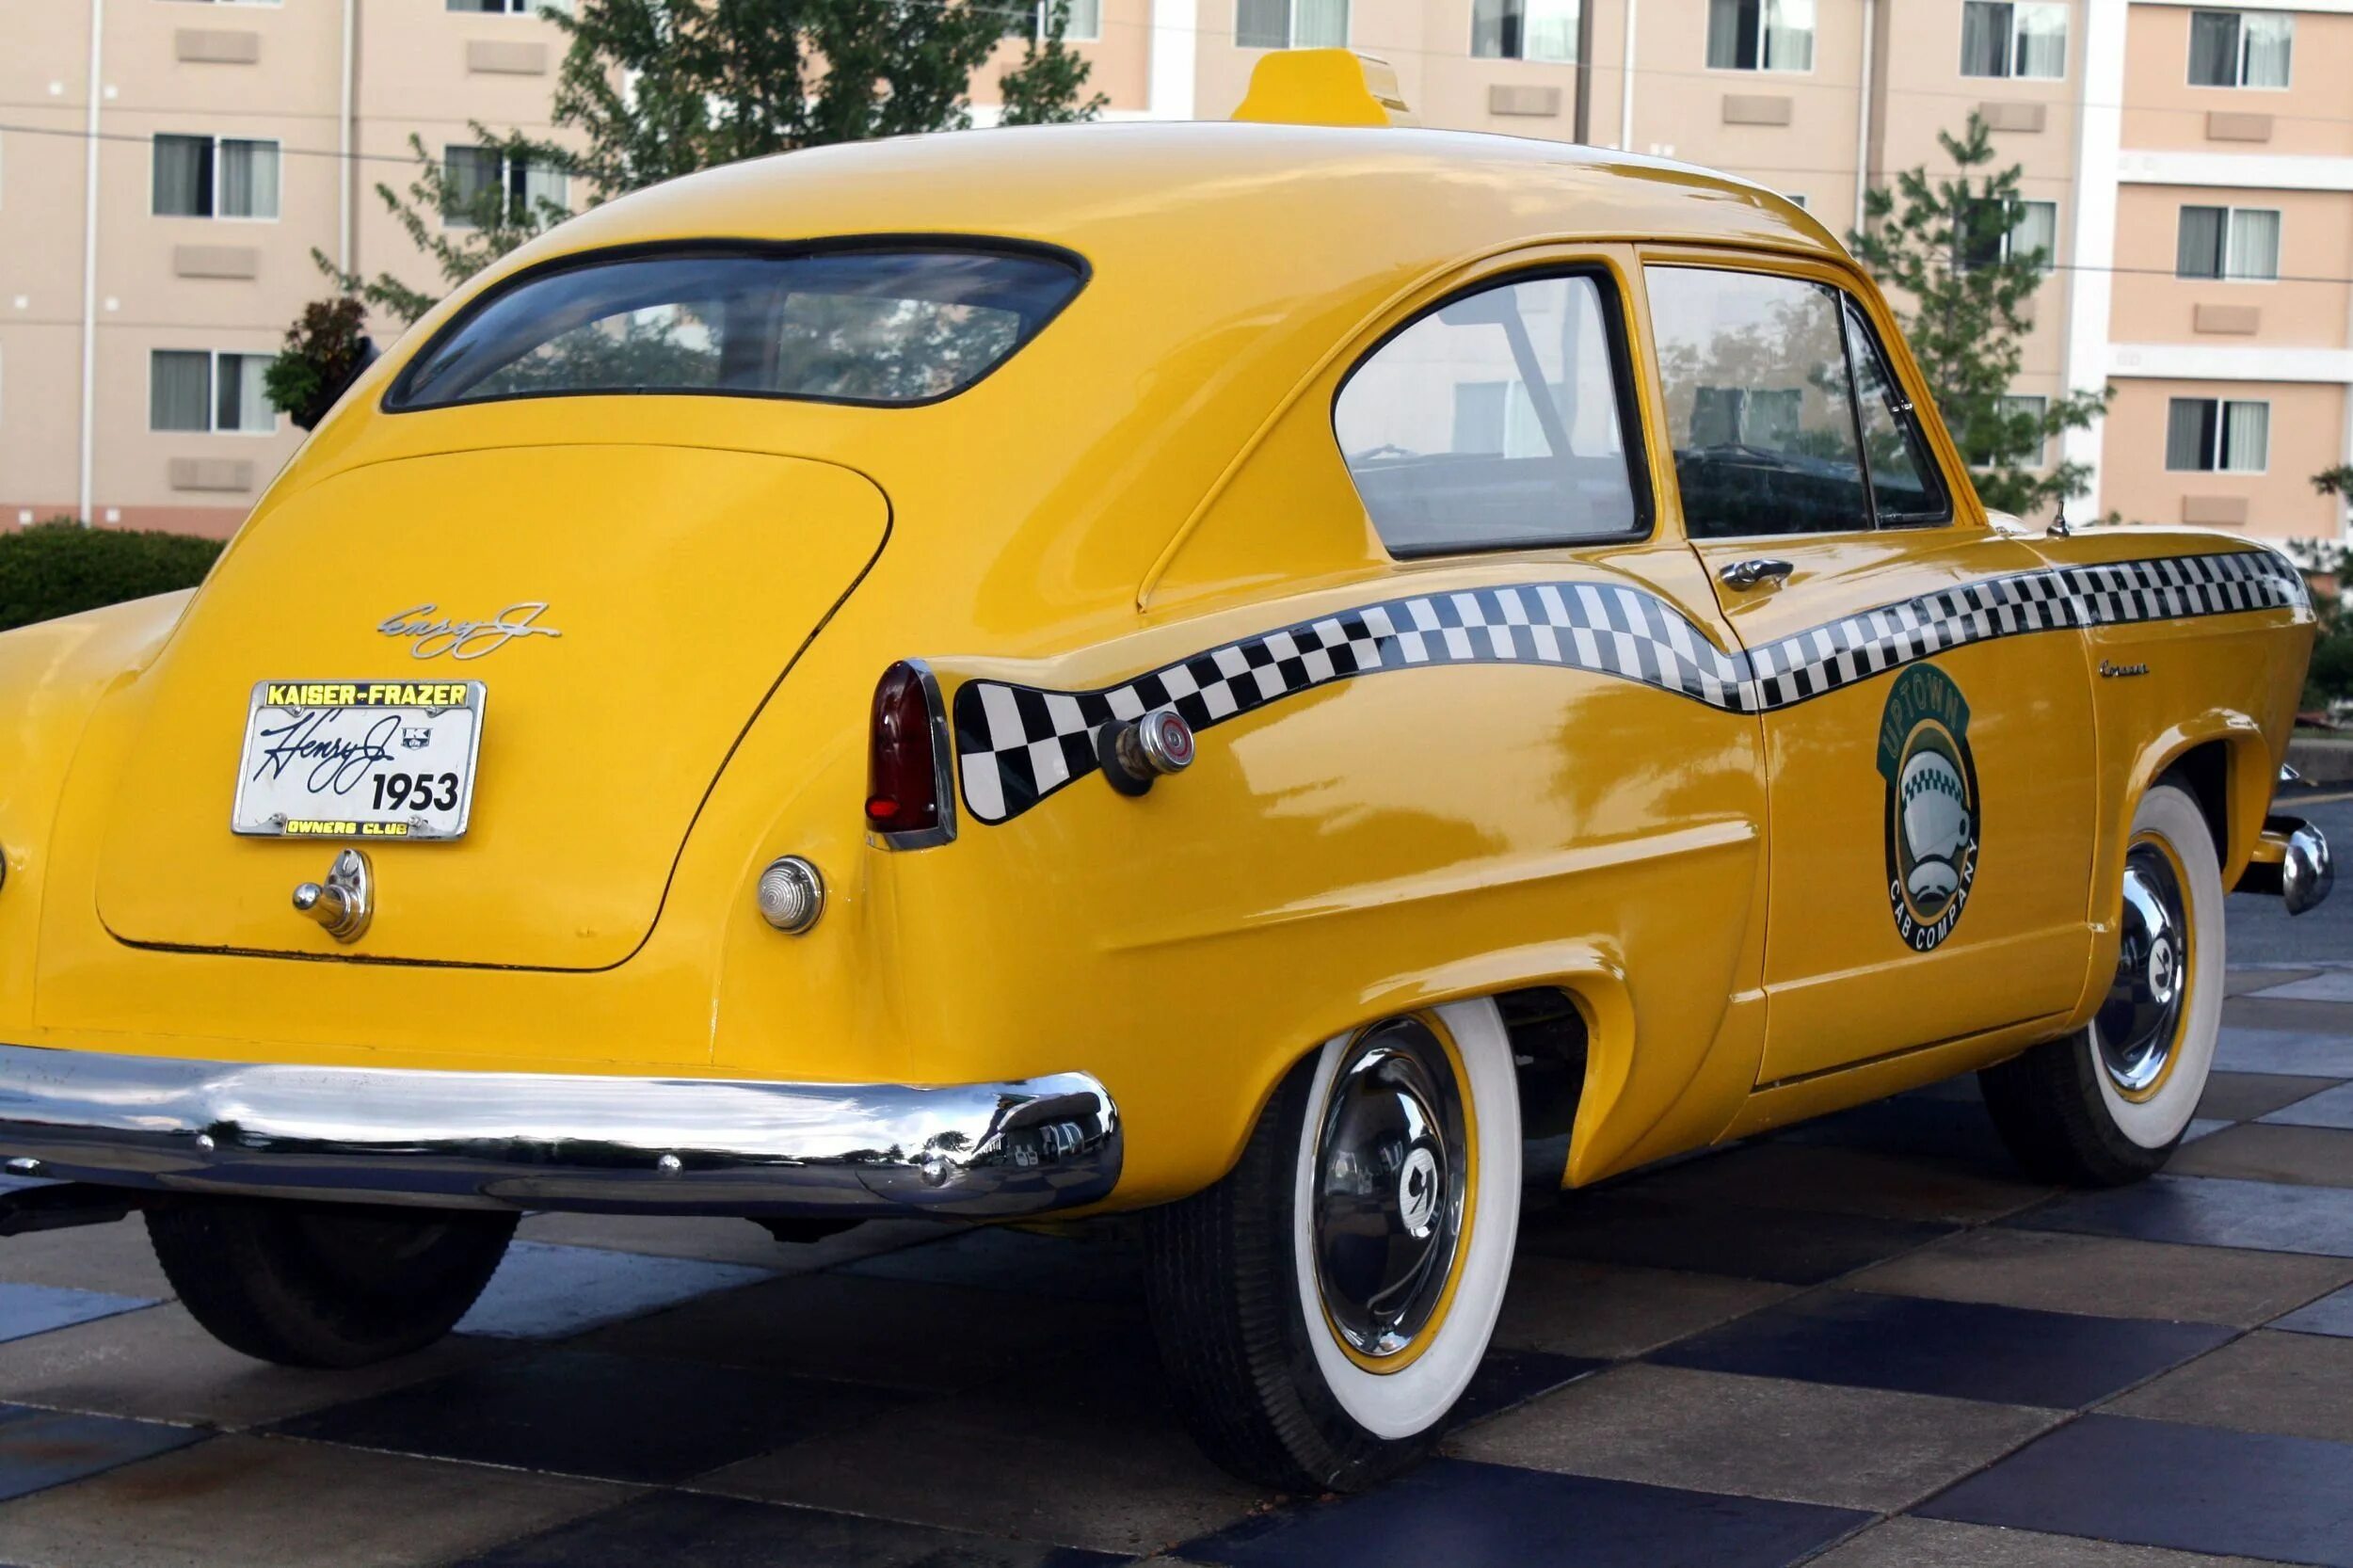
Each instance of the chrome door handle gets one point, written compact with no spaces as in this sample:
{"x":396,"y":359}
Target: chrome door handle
{"x":1753,"y":573}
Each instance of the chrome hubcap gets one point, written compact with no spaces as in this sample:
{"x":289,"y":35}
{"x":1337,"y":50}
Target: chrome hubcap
{"x":2137,"y":1024}
{"x":1389,"y":1188}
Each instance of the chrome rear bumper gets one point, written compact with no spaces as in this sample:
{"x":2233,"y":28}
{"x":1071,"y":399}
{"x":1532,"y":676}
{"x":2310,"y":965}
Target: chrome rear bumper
{"x":559,"y":1141}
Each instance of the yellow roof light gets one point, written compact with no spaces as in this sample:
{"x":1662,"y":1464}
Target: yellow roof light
{"x":1324,"y":86}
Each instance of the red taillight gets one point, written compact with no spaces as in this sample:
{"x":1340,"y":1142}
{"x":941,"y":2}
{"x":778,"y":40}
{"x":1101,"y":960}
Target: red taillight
{"x":903,"y":768}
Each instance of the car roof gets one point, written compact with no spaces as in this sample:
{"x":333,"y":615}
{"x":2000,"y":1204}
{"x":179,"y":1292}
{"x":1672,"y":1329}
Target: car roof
{"x":1419,"y":196}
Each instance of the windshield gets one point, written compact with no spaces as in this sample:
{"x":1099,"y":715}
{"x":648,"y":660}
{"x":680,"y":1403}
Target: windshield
{"x":878,"y":326}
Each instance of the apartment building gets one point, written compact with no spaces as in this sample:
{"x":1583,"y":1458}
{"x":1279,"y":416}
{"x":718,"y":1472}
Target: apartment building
{"x":2187,"y":169}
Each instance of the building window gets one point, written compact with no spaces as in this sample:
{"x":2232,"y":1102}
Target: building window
{"x":2033,"y":229}
{"x":1524,"y":30}
{"x":2241,"y":244}
{"x":1292,"y":24}
{"x":2213,"y":435}
{"x":2239,"y":49}
{"x":1084,"y":25}
{"x":469,"y":173}
{"x":2020,"y":415}
{"x":215,"y":177}
{"x":1760,"y":35}
{"x":2027,"y":38}
{"x":507,"y":8}
{"x":194,"y":391}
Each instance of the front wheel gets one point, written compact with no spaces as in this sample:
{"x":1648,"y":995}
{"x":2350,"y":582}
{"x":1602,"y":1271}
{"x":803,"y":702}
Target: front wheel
{"x":324,"y":1284}
{"x":2108,"y":1104}
{"x":1321,"y":1310}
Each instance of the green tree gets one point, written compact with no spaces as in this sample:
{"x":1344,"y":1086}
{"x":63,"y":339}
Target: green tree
{"x":2328,"y":569}
{"x":1942,"y":247}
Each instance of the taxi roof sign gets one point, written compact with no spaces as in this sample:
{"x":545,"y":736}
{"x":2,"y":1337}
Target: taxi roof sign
{"x":1324,"y":86}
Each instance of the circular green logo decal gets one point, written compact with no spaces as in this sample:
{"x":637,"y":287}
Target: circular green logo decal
{"x":1931,"y":805}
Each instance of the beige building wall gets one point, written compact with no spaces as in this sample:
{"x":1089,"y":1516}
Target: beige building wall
{"x":2118,"y":144}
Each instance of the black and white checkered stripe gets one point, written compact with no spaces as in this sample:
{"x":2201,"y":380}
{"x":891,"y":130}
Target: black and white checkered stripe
{"x":1017,"y":744}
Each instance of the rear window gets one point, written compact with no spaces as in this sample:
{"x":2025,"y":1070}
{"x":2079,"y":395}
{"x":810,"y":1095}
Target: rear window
{"x":899,"y":326}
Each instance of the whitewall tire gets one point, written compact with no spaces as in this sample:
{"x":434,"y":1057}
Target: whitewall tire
{"x":1321,"y":1309}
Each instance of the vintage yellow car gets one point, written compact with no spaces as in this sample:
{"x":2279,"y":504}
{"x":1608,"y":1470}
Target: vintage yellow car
{"x":1237,"y":670}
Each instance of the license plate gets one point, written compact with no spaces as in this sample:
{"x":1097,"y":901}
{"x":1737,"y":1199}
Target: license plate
{"x":358,"y":758}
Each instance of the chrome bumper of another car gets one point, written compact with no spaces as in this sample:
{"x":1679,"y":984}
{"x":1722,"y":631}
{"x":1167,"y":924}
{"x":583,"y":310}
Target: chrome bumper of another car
{"x":558,"y":1142}
{"x":2290,"y":861}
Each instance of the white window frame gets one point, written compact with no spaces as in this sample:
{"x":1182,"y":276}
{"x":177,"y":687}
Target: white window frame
{"x":2010,"y":231}
{"x":1764,"y":27}
{"x":2230,"y":216}
{"x":2042,"y":406}
{"x":1570,"y":58}
{"x":505,"y":7}
{"x":1045,"y":9}
{"x":507,"y":163}
{"x":2010,"y":72}
{"x":216,"y":216}
{"x":212,"y":386}
{"x":1290,"y":27}
{"x":2239,"y":61}
{"x":2221,"y":428}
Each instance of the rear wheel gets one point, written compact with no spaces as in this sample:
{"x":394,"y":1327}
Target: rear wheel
{"x":325,"y":1285}
{"x":2108,"y":1104}
{"x":1320,"y":1310}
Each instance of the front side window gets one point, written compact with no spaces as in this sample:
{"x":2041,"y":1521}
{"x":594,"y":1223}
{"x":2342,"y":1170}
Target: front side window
{"x":469,"y":174}
{"x":2217,"y":435}
{"x":1498,"y":421}
{"x":1290,"y":23}
{"x":197,"y":392}
{"x":1524,"y":30}
{"x":215,"y":177}
{"x":2238,"y":244}
{"x":1783,"y":411}
{"x":2014,"y":37}
{"x":870,"y":327}
{"x":2240,"y":48}
{"x":1760,"y":35}
{"x":2014,"y":232}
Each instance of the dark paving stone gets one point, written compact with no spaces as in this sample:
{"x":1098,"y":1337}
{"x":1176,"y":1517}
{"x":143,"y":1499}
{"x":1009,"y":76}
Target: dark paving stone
{"x":612,"y":1417}
{"x":2268,"y":1216}
{"x":1917,"y":1126}
{"x":1963,"y":1350}
{"x":2329,"y":1108}
{"x":2331,"y":1314}
{"x":2159,"y":1484}
{"x":2281,"y":1050}
{"x":26,"y":1310}
{"x":2265,"y":1151}
{"x":2244,"y":1096}
{"x":1788,"y":1245}
{"x":1833,"y":1179}
{"x":1468,"y":1516}
{"x":546,"y":1293}
{"x":1095,"y":1262}
{"x":40,"y":1449}
{"x":2240,"y":982}
{"x":670,"y":1528}
{"x":2293,"y":1384}
{"x":1906,"y":1542}
{"x":2284,"y":1017}
{"x":1510,"y":1378}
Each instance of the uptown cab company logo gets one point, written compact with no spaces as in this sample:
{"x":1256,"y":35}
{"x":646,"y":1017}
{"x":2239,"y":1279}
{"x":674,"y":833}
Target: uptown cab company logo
{"x":1932,"y":804}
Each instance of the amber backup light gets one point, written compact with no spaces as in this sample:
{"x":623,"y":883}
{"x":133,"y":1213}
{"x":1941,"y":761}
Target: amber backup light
{"x":905,"y":789}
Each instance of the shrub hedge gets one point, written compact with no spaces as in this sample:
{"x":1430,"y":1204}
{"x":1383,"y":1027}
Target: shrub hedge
{"x":60,"y":568}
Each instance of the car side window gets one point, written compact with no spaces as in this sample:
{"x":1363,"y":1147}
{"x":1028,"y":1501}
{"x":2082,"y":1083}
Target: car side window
{"x":1905,"y":490}
{"x":1760,"y":409}
{"x":1498,"y":421}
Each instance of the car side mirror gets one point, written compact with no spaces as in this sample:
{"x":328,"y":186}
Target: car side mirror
{"x":308,"y":416}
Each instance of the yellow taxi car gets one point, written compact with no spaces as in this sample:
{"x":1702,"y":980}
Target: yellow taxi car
{"x":1234,"y":670}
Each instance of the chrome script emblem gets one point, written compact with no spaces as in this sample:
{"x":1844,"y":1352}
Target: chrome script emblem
{"x":432,"y":634}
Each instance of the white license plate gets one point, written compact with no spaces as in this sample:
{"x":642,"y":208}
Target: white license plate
{"x":358,"y":758}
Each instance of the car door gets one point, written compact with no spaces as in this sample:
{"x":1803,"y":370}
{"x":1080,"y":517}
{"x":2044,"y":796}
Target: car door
{"x":1929,"y":760}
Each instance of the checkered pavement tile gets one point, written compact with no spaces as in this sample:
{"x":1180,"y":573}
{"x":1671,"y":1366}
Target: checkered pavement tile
{"x":2293,"y":1384}
{"x":2284,"y":1051}
{"x":2163,"y":1483}
{"x":2104,"y":1276}
{"x":41,"y":1448}
{"x":1959,"y":1349}
{"x":1906,"y":1542}
{"x":26,"y":1310}
{"x":2264,"y":1151}
{"x":1473,"y":1515}
{"x":2331,"y":1314}
{"x":2268,"y":1216}
{"x":2331,"y":1108}
{"x":548,"y":1292}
